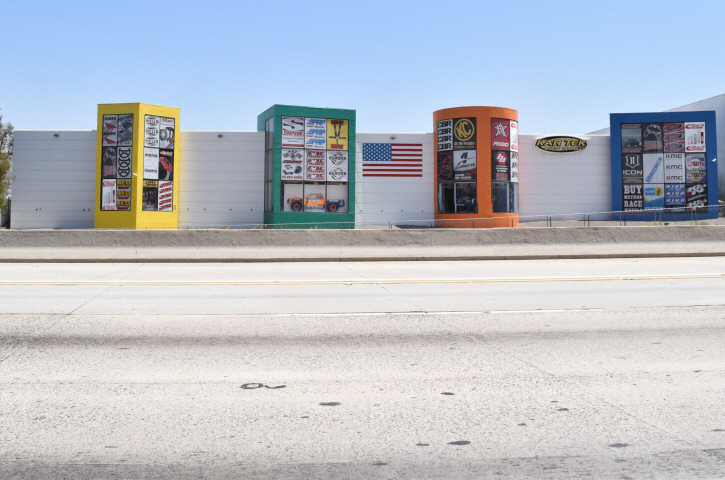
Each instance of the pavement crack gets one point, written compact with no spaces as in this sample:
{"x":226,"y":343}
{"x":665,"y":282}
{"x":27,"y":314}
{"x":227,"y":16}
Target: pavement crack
{"x":105,"y":290}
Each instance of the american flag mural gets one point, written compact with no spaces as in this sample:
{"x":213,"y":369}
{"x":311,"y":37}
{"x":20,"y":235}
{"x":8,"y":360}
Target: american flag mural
{"x":392,"y":160}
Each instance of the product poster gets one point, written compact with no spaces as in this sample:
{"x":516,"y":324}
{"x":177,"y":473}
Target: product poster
{"x":125,"y":130}
{"x":445,"y":135}
{"x":696,"y":195}
{"x":499,"y":166}
{"x":151,"y":131}
{"x":445,"y":167}
{"x":337,"y":170}
{"x":166,"y":164}
{"x":149,"y":199}
{"x":514,"y":167}
{"x":292,"y":194}
{"x":500,"y":134}
{"x":151,"y":163}
{"x":654,"y":168}
{"x":108,"y":195}
{"x":514,"y":136}
{"x":464,"y":133}
{"x":654,"y":196}
{"x":337,"y":134}
{"x":292,"y":163}
{"x":632,"y":197}
{"x":166,"y":196}
{"x":123,"y":195}
{"x":110,"y":130}
{"x":674,"y":137}
{"x":464,"y":165}
{"x":695,"y":137}
{"x":337,"y":200}
{"x":674,"y":195}
{"x":108,"y":162}
{"x":631,"y":138}
{"x":652,"y":137}
{"x":293,"y":131}
{"x":315,"y":165}
{"x":167,"y":134}
{"x":125,"y":155}
{"x":632,"y":169}
{"x":314,"y":199}
{"x":695,"y":168}
{"x":674,"y":168}
{"x":315,"y":133}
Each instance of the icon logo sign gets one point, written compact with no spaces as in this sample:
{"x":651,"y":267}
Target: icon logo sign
{"x":464,"y":129}
{"x":632,"y":161}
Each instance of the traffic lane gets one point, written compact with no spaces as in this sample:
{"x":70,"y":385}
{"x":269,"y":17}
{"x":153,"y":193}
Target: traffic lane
{"x":47,"y":299}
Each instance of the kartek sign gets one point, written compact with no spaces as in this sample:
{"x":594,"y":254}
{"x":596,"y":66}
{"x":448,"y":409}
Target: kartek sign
{"x":561,"y":144}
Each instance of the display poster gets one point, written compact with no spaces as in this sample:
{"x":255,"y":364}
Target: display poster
{"x":151,"y":131}
{"x":293,"y":132}
{"x":632,"y":168}
{"x":464,"y":165}
{"x":652,"y":138}
{"x":445,"y":167}
{"x":674,"y":137}
{"x":110,"y":130}
{"x":166,"y":133}
{"x":445,"y":135}
{"x":500,"y":134}
{"x":631,"y":137}
{"x":514,"y":136}
{"x":695,"y":168}
{"x":315,"y":133}
{"x":696,"y":196}
{"x":674,"y":168}
{"x":314,"y":199}
{"x":108,"y":162}
{"x":654,"y":169}
{"x":337,"y":166}
{"x":654,"y":196}
{"x":123,"y":195}
{"x":166,"y":164}
{"x":292,"y":161}
{"x":632,"y":197}
{"x":315,"y":165}
{"x":464,"y":133}
{"x":108,"y":194}
{"x":151,"y":163}
{"x":674,"y":195}
{"x":514,"y":167}
{"x":149,"y":199}
{"x":337,"y":134}
{"x":500,"y":166}
{"x":166,"y":196}
{"x":125,"y":130}
{"x":695,"y":137}
{"x":292,"y":197}
{"x":125,"y":154}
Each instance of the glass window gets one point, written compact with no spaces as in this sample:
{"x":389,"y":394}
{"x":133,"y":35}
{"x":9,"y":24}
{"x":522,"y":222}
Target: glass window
{"x":314,"y":199}
{"x":465,"y":194}
{"x":337,"y":197}
{"x":500,"y":197}
{"x":292,"y":193}
{"x":446,"y":204}
{"x":514,"y":198}
{"x":267,"y":196}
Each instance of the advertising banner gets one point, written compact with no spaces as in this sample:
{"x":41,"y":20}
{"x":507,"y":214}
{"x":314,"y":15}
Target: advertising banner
{"x":110,"y":130}
{"x":464,"y":165}
{"x":514,"y":167}
{"x":445,"y":166}
{"x":166,"y":132}
{"x":652,"y":137}
{"x":125,"y":154}
{"x":632,"y":168}
{"x":675,"y":195}
{"x":125,"y":130}
{"x":151,"y":163}
{"x":293,"y":131}
{"x":337,"y":134}
{"x":445,"y":135}
{"x":654,"y":196}
{"x":292,"y":161}
{"x":696,"y":195}
{"x":674,"y":137}
{"x":654,"y":169}
{"x":500,"y":166}
{"x":514,"y":136}
{"x":315,"y":165}
{"x":151,"y":131}
{"x":108,"y":195}
{"x":500,"y":134}
{"x":123,"y":195}
{"x":109,"y":162}
{"x":695,"y":168}
{"x":632,"y":197}
{"x":464,"y":133}
{"x":631,"y":138}
{"x":149,"y":198}
{"x":674,"y":167}
{"x":166,"y":196}
{"x":166,"y":164}
{"x":315,"y":133}
{"x":695,"y":137}
{"x":337,"y":166}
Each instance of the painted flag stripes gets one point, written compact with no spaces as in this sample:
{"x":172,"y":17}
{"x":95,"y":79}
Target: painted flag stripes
{"x":392,"y":159}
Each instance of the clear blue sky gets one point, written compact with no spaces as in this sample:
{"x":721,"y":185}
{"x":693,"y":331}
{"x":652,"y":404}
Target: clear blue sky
{"x":563,"y":65}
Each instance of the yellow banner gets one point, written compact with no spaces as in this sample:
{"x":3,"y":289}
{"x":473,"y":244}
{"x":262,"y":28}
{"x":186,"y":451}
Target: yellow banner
{"x":337,"y":134}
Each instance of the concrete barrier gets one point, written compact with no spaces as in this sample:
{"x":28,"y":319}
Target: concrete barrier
{"x":357,"y":245}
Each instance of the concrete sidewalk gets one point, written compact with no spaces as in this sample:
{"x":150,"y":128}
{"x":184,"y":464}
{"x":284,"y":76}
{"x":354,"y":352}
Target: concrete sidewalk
{"x":111,"y":246}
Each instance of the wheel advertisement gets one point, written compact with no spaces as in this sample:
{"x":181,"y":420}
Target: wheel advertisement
{"x":292,"y":164}
{"x":337,"y":170}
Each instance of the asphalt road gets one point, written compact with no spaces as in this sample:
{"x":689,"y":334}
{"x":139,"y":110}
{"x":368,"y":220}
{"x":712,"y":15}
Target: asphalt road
{"x":540,"y":369}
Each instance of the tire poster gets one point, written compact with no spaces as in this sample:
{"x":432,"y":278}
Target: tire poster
{"x":159,"y":163}
{"x":116,"y":162}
